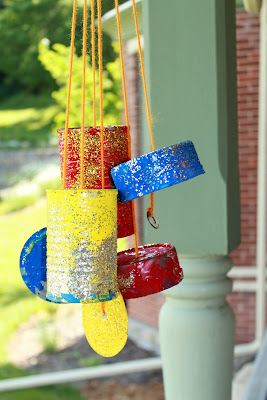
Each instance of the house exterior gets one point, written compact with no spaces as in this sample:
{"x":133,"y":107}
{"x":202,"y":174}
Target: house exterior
{"x":242,"y":299}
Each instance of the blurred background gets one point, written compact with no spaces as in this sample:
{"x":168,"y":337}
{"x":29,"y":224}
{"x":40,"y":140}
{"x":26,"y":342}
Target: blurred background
{"x":35,"y":336}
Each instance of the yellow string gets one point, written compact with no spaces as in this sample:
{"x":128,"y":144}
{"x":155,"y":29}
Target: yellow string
{"x":93,"y":57}
{"x":100,"y":62}
{"x":146,"y":95}
{"x":126,"y":116}
{"x":83,"y":91}
{"x":69,"y":92}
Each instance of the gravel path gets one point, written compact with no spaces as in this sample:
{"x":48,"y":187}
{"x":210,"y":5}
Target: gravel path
{"x":75,"y":352}
{"x":15,"y":162}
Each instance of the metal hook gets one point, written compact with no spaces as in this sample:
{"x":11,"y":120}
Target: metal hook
{"x":152,"y":220}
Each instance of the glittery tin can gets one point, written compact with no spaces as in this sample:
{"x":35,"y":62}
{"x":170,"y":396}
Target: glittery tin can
{"x":82,"y":252}
{"x":156,"y":170}
{"x":115,"y":153}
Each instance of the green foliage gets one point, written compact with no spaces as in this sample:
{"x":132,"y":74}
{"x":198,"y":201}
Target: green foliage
{"x":89,"y":362}
{"x":28,"y":119}
{"x":56,"y":61}
{"x":23,"y":23}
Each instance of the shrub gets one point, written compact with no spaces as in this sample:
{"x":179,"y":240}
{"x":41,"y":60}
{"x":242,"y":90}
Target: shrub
{"x":56,"y":61}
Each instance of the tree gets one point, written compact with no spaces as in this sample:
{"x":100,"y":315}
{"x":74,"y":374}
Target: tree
{"x":23,"y":23}
{"x":56,"y":61}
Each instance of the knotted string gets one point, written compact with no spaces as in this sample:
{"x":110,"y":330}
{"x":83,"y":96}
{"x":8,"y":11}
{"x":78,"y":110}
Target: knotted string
{"x":151,"y":208}
{"x":100,"y":67}
{"x":93,"y":57}
{"x":94,"y":92}
{"x":69,"y":91}
{"x":83,"y":90}
{"x":126,"y":116}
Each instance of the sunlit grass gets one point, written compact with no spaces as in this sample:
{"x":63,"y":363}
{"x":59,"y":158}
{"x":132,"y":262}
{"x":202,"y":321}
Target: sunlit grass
{"x":27,"y":192}
{"x":27,"y":119}
{"x":59,"y":392}
{"x":17,"y":303}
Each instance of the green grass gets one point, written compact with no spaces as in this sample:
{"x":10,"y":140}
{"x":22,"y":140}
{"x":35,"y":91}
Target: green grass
{"x":27,"y":192}
{"x":17,"y":303}
{"x":26,"y":118}
{"x":60,"y":392}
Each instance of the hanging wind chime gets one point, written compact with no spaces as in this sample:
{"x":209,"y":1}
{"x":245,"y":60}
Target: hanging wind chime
{"x":74,"y":259}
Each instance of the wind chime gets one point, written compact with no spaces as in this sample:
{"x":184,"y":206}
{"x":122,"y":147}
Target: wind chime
{"x":74,"y":259}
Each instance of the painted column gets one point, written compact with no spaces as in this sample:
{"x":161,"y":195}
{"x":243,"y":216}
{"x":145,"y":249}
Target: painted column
{"x":197,"y":332}
{"x":190,"y":60}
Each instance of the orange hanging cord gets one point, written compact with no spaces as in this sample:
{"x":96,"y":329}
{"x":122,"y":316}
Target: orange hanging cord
{"x":93,"y":57}
{"x":83,"y":91}
{"x":100,"y":66}
{"x":126,"y":116}
{"x":146,"y":96}
{"x":69,"y":91}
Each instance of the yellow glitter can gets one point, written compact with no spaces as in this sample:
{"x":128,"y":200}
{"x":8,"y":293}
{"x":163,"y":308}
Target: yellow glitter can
{"x":82,"y":245}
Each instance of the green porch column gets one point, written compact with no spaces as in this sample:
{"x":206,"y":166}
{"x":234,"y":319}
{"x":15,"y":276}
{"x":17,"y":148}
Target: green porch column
{"x":190,"y":60}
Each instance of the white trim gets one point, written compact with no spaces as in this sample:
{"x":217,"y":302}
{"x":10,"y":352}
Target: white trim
{"x":239,"y":285}
{"x":262,"y":180}
{"x":109,"y":21}
{"x":246,"y":286}
{"x":242,"y":272}
{"x":80,"y":374}
{"x":123,"y":8}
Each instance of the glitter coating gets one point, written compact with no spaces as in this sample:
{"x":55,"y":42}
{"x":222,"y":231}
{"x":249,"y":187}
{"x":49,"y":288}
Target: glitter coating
{"x":106,"y":334}
{"x":82,"y":252}
{"x":115,"y":152}
{"x":33,"y":264}
{"x":157,"y":170}
{"x":156,"y":268}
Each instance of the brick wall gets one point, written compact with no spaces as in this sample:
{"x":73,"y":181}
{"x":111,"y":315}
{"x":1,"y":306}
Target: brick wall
{"x":131,"y":62}
{"x":247,"y":81}
{"x":147,"y":309}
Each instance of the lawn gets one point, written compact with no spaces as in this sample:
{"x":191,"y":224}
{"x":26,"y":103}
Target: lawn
{"x":17,"y":303}
{"x":28,"y":119}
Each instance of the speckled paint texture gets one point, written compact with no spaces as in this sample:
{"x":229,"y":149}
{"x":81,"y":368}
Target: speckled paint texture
{"x":82,"y":245}
{"x":33,"y":263}
{"x":106,"y":333}
{"x":157,"y":170}
{"x":156,"y":268}
{"x":115,"y":152}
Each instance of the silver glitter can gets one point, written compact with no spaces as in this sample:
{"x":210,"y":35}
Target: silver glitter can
{"x":82,"y":245}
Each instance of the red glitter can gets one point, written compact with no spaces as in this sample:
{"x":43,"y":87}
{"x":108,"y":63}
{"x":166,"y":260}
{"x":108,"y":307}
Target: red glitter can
{"x":115,"y":153}
{"x":155,"y":269}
